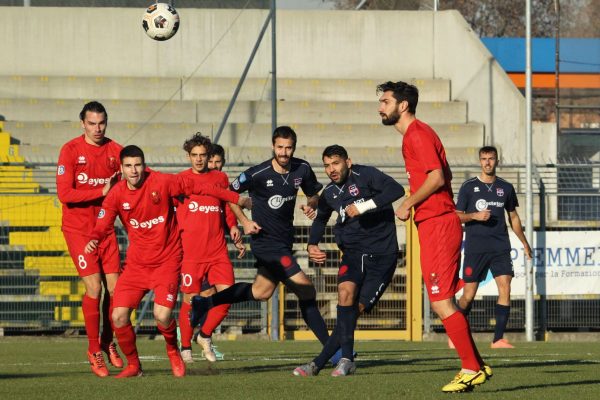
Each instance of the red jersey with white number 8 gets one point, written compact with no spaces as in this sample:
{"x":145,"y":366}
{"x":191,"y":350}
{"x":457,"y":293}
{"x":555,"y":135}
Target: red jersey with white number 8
{"x":83,"y":170}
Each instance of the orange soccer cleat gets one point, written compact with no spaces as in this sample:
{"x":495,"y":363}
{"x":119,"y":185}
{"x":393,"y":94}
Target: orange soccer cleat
{"x":97,"y":363}
{"x":113,"y":355}
{"x":131,"y":371}
{"x":177,"y":364}
{"x":502,"y":344}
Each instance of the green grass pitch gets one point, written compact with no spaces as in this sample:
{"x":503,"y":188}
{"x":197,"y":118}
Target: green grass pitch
{"x":55,"y":368}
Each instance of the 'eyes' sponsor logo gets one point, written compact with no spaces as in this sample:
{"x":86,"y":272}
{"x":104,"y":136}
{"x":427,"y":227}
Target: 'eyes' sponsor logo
{"x":195,"y":207}
{"x":83,"y":179}
{"x":146,"y":224}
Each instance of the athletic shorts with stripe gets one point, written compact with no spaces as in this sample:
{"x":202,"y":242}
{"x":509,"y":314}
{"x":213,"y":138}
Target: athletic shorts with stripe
{"x":105,"y":260}
{"x":137,"y":280}
{"x":371,"y":273}
{"x":440,"y":239}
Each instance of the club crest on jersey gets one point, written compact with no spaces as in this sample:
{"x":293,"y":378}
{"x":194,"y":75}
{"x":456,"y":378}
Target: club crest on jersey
{"x":269,"y":183}
{"x":155,"y":196}
{"x":126,"y":206}
{"x":353,"y":190}
{"x":60,"y":170}
{"x":112,"y":163}
{"x":476,"y":189}
{"x":101,"y":214}
{"x":81,"y":160}
{"x":499,"y":192}
{"x":297,"y":182}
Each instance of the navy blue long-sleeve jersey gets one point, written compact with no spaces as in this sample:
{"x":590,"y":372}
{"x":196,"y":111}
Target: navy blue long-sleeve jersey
{"x":274,"y":198}
{"x":373,"y":232}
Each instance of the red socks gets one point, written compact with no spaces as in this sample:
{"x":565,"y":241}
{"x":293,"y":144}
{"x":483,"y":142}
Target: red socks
{"x":126,"y":338}
{"x":214,"y":317}
{"x":170,"y":334}
{"x":185,"y":328}
{"x":458,"y":331}
{"x":91,"y":316}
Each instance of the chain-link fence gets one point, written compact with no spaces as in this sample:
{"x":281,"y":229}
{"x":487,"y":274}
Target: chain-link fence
{"x":39,"y":288}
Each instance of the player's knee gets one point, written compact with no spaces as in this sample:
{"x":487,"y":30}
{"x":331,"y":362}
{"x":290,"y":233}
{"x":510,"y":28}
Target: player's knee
{"x":162,"y":319}
{"x":93,"y":289}
{"x":303,"y":292}
{"x":262,"y":295}
{"x":120,"y":319}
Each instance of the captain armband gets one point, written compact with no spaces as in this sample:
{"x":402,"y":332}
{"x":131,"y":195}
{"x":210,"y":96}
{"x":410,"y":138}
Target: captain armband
{"x":365,"y":206}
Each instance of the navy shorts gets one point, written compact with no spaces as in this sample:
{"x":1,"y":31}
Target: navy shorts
{"x":277,"y":264}
{"x":371,"y":273}
{"x":476,"y":266}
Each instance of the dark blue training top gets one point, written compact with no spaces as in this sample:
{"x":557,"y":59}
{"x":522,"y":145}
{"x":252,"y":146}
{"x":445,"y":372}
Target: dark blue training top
{"x":491,"y":235}
{"x":274,"y":198}
{"x":373,"y":232}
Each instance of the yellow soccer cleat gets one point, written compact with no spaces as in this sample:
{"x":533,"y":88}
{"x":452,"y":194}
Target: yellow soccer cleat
{"x":464,"y":382}
{"x":487,"y":370}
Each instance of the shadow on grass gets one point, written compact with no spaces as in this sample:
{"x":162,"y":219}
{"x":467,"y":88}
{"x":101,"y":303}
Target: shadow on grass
{"x":548,"y":385}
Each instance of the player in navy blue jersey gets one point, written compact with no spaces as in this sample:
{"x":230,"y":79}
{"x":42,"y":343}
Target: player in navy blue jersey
{"x":365,"y":232}
{"x":273,"y":186}
{"x":481,"y":204}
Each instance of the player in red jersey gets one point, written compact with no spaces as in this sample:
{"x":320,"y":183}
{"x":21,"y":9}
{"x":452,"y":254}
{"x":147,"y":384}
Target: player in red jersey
{"x":438,"y":225}
{"x":206,"y":267}
{"x":88,"y":167}
{"x":144,"y":203}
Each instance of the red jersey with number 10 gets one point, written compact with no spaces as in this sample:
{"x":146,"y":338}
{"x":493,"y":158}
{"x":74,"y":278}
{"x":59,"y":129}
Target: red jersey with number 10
{"x":148,"y":215}
{"x":83,"y":170}
{"x":423,"y":152}
{"x":201,"y":219}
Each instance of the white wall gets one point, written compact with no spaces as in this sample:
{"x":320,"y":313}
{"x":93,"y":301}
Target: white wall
{"x":378,"y":45}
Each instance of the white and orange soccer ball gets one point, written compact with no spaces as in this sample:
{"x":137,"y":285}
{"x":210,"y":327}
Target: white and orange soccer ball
{"x":161,"y":21}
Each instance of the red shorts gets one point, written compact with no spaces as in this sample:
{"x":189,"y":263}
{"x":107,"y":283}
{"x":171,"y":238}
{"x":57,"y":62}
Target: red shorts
{"x":105,"y":260}
{"x":137,"y":280}
{"x":440,"y":239}
{"x":217,"y":272}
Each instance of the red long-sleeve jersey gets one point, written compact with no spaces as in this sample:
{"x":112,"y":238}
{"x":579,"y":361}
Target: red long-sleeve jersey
{"x":83,"y":170}
{"x":201,"y":219}
{"x":148,"y":215}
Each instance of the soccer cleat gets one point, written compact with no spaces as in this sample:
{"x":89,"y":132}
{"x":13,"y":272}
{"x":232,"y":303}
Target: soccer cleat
{"x":199,"y":309}
{"x":131,"y":371}
{"x":344,"y":367}
{"x":220,"y":356}
{"x":309,"y":369}
{"x":186,"y":356}
{"x":177,"y":364}
{"x":113,"y":355}
{"x":207,"y":348}
{"x":464,"y":382}
{"x":97,"y":364}
{"x":335,"y":359}
{"x":487,"y":370}
{"x":502,"y":344}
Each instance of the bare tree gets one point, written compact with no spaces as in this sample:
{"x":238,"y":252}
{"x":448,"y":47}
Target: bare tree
{"x":506,"y":18}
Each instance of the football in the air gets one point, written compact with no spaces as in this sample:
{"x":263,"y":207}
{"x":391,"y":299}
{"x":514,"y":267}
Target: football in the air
{"x":161,"y":21}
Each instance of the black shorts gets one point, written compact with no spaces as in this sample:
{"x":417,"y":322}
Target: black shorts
{"x":277,"y":264}
{"x":476,"y":266}
{"x":371,"y":273}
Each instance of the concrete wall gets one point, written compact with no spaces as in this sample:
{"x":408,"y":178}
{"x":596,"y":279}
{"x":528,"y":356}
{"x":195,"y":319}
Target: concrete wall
{"x":374,"y":45}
